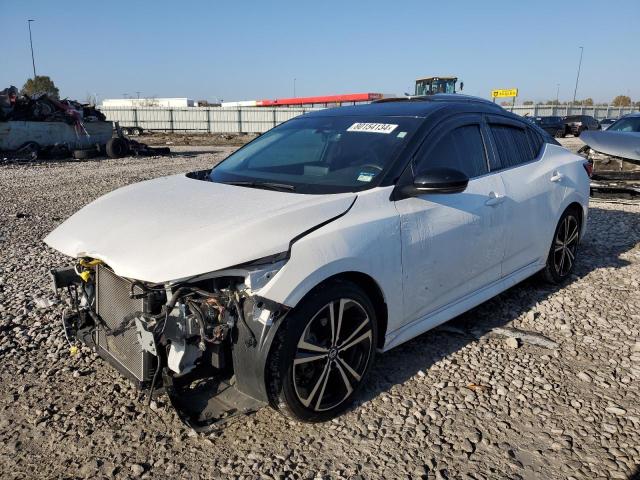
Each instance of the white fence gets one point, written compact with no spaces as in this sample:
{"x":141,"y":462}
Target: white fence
{"x":261,"y":119}
{"x":203,"y":119}
{"x":564,"y":110}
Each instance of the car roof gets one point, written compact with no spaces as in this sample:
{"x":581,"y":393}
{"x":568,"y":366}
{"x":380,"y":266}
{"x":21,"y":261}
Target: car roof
{"x":413,"y":106}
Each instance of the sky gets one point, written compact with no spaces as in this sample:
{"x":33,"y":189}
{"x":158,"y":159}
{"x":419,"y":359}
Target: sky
{"x":246,"y":50}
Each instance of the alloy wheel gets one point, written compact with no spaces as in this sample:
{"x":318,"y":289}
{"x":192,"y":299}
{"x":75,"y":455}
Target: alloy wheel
{"x":332,"y":354}
{"x":565,"y":245}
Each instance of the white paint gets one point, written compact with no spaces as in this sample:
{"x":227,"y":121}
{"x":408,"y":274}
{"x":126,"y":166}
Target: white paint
{"x":432,"y":257}
{"x":175,"y":227}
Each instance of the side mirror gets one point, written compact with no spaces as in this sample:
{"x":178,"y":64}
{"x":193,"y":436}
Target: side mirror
{"x":437,"y":180}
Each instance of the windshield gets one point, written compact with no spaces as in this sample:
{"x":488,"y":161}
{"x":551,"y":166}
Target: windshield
{"x":629,"y":124}
{"x":319,"y":154}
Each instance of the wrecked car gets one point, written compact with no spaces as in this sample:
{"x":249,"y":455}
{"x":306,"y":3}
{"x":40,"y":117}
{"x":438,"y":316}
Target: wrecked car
{"x":615,"y":156}
{"x":276,"y":276}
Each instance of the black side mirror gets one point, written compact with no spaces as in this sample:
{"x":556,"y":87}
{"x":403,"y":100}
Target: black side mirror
{"x":437,"y":180}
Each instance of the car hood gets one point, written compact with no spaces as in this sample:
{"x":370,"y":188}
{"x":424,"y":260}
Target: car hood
{"x":619,"y":144}
{"x":176,"y":227}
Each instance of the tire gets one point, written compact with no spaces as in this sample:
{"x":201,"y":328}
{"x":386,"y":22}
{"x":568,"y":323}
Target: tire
{"x":117,"y":148}
{"x":84,"y":154}
{"x":313,"y":374}
{"x":559,"y":134}
{"x":564,"y":247}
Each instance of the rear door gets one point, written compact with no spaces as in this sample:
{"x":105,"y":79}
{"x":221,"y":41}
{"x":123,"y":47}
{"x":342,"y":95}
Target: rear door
{"x":533,"y":191}
{"x":452,"y":244}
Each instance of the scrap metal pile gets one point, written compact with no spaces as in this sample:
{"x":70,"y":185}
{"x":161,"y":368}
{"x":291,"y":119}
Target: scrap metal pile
{"x":43,"y":108}
{"x":42,"y":127}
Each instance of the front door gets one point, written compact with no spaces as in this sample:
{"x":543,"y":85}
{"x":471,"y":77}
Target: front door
{"x":452,"y":244}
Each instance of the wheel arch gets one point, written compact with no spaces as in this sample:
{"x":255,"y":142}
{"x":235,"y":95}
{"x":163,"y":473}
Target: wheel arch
{"x":373,"y":291}
{"x":580,"y":211}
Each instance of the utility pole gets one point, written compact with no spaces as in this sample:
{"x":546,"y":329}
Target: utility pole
{"x":557,"y":93}
{"x":578,"y":75}
{"x":294,"y":87}
{"x":33,"y":62}
{"x":138,"y":93}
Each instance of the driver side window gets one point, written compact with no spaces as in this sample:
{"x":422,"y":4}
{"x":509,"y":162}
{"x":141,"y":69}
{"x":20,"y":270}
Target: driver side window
{"x":462,"y":149}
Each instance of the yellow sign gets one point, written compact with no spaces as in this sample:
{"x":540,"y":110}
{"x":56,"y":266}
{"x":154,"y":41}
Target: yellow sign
{"x":511,"y":92}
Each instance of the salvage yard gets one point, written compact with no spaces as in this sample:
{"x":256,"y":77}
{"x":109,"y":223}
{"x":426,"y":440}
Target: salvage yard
{"x":462,"y":401}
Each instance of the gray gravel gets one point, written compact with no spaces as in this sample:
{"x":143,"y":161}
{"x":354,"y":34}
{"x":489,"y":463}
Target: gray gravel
{"x":462,"y":401}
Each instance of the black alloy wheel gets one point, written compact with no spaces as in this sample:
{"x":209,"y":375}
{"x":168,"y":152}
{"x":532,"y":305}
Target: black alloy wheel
{"x":327,"y":349}
{"x":562,"y":255}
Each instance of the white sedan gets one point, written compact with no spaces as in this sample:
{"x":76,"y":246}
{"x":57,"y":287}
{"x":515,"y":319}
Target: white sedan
{"x":275,"y":277}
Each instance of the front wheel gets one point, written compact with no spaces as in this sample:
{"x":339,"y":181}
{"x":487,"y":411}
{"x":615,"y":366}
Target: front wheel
{"x":562,"y":254}
{"x":323,"y":353}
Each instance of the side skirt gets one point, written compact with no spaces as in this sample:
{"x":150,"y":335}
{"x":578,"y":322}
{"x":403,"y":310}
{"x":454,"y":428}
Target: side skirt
{"x":446,"y":313}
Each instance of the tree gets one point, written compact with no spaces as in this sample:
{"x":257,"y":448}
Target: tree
{"x":621,"y":101}
{"x":527,"y":102}
{"x":40,"y":84}
{"x":587,"y":102}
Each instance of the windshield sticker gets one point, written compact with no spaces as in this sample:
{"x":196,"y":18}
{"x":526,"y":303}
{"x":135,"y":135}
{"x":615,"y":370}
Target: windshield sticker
{"x":385,"y":128}
{"x":401,"y":134}
{"x":366,"y":176}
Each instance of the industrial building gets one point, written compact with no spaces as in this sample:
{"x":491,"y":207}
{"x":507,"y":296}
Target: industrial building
{"x":149,"y":102}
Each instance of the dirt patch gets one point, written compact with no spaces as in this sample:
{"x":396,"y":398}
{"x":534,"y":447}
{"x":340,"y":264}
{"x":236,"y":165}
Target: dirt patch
{"x":195,"y":139}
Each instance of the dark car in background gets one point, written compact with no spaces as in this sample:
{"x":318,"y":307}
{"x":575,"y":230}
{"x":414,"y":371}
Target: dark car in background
{"x":606,"y":123}
{"x":576,"y":124}
{"x":554,"y":126}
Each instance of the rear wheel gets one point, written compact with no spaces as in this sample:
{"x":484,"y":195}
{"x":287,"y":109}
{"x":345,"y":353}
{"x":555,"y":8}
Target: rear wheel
{"x":562,"y":254}
{"x":323,"y":353}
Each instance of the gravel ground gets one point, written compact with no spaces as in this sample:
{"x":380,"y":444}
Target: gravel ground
{"x":462,"y":401}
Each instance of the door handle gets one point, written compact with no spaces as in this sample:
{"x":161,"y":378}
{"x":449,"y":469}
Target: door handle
{"x":494,"y":199}
{"x":556,"y":177}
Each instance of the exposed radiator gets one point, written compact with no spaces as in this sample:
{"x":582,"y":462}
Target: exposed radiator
{"x":112,"y":306}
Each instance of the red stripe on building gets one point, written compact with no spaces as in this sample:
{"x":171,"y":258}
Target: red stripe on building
{"x":350,"y":97}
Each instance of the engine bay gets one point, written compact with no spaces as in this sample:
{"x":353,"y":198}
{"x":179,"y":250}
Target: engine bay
{"x":194,"y":341}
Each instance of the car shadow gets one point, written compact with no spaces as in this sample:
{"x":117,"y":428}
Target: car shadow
{"x":419,"y":354}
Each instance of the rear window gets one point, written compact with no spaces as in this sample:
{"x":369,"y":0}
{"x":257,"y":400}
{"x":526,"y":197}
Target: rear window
{"x":513,"y":146}
{"x":537,"y":141}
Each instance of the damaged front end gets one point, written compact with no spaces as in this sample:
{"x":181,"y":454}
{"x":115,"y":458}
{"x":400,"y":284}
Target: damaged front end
{"x":204,"y":342}
{"x":615,"y":161}
{"x":612,"y":174}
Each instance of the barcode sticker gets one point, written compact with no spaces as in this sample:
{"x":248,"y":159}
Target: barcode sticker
{"x":385,"y":128}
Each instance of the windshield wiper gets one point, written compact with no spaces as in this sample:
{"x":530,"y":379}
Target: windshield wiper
{"x":279,"y":187}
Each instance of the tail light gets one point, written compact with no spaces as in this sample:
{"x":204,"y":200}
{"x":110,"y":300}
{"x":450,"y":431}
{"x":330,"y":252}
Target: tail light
{"x":588,"y":166}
